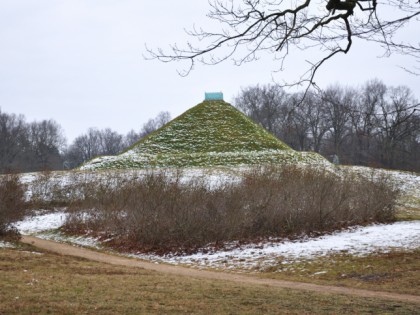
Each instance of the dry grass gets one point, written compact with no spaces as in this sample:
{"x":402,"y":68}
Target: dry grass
{"x":35,"y":282}
{"x":394,"y":272}
{"x":408,"y":208}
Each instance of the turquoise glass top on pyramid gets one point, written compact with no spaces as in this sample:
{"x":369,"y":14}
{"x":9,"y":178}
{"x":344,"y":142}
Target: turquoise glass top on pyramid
{"x":213,"y":96}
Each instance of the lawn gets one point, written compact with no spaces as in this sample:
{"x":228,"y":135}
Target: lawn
{"x":396,"y":271}
{"x":35,"y":282}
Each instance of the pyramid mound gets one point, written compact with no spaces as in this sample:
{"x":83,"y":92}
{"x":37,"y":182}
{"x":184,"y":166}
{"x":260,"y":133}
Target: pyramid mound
{"x":212,"y":126}
{"x":213,"y":133}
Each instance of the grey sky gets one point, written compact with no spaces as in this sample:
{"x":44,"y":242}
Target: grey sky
{"x":80,"y":63}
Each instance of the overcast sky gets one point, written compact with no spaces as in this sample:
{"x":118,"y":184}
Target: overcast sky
{"x":80,"y":63}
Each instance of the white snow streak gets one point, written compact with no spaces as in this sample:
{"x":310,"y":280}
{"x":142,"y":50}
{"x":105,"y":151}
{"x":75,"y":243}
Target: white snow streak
{"x":41,"y":222}
{"x":358,"y":241}
{"x":6,"y":245}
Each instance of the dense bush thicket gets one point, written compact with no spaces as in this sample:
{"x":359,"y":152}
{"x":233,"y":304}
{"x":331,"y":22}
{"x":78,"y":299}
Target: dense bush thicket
{"x":12,"y":202}
{"x":161,"y":213}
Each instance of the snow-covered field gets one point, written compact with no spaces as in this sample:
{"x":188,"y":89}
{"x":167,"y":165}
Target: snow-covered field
{"x":357,"y":241}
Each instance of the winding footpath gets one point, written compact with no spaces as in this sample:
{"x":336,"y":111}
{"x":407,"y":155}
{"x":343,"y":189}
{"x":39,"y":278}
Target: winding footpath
{"x":69,"y":250}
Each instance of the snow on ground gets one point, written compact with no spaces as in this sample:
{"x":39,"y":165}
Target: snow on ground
{"x":41,"y":224}
{"x":407,"y":182}
{"x":6,"y":245}
{"x":212,"y":177}
{"x":356,"y":241}
{"x":84,"y":241}
{"x":41,"y":221}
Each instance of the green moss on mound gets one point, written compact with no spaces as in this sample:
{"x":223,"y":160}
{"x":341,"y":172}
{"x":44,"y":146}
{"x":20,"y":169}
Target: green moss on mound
{"x":213,"y":133}
{"x":212,"y":126}
{"x":206,"y":160}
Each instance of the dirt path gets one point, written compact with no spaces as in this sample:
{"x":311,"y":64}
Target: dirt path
{"x":69,"y":250}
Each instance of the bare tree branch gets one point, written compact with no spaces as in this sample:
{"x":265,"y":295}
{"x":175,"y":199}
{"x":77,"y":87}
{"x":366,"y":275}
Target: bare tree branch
{"x":250,"y":28}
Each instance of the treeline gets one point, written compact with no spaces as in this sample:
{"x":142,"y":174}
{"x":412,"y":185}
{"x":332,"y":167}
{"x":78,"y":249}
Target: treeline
{"x":29,"y":146}
{"x":373,"y":125}
{"x":97,"y":142}
{"x":38,"y":146}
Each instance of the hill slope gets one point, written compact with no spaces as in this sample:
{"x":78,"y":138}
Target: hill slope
{"x":212,"y":126}
{"x":213,"y":133}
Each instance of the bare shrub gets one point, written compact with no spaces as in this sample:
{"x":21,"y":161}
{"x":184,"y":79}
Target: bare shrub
{"x":376,"y":199}
{"x":47,"y":191}
{"x":12,"y":203}
{"x":160,"y":212}
{"x":294,"y":200}
{"x":41,"y":190}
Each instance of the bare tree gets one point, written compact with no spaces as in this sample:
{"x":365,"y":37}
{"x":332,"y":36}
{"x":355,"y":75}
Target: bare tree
{"x":12,"y":140}
{"x":296,"y":129}
{"x":47,"y":142}
{"x":364,"y":121}
{"x":372,"y":125}
{"x":308,"y":120}
{"x":111,"y":142}
{"x":148,"y":127}
{"x":94,"y":143}
{"x":337,"y":104}
{"x":131,"y":137}
{"x":264,"y":104}
{"x":30,"y":146}
{"x":398,"y":121}
{"x":155,"y":123}
{"x":97,"y":142}
{"x":84,"y":148}
{"x":248,"y":28}
{"x":302,"y":127}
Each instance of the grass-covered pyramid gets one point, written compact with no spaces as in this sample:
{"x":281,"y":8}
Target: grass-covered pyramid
{"x":213,"y":133}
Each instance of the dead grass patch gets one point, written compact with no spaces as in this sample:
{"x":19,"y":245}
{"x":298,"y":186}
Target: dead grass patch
{"x":394,"y":272}
{"x":34,"y":283}
{"x":408,"y":208}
